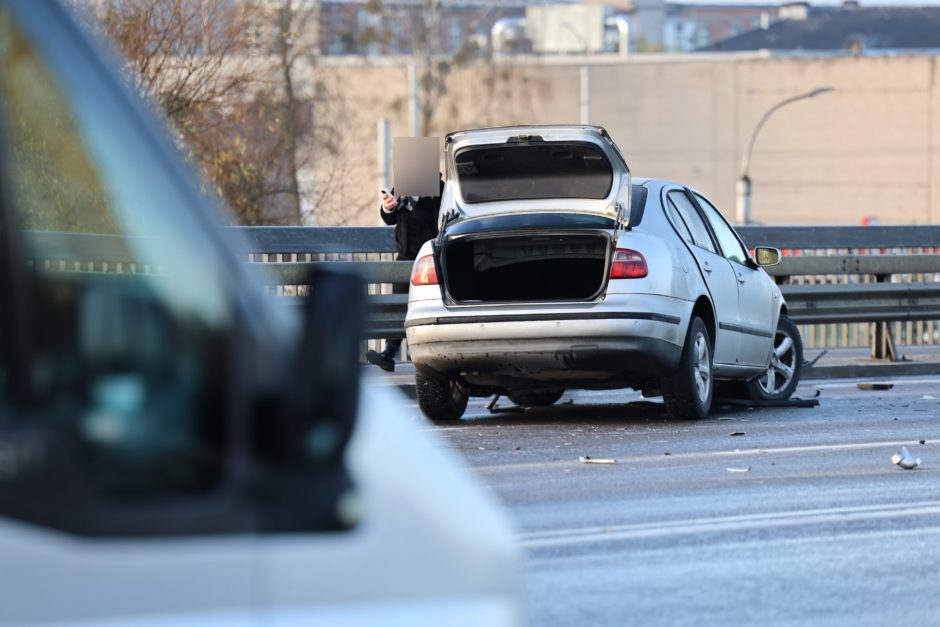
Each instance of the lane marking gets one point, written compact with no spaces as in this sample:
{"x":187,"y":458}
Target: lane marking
{"x":747,"y":522}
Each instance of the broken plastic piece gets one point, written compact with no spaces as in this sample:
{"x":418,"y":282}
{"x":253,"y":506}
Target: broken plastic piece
{"x":905,"y":460}
{"x":744,"y":469}
{"x":584,"y":459}
{"x":733,"y":433}
{"x":875,"y":386}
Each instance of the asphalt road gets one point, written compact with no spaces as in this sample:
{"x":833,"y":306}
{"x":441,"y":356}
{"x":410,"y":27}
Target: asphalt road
{"x":802,"y":519}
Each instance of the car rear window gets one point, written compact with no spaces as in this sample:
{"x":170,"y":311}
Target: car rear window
{"x":532,"y":171}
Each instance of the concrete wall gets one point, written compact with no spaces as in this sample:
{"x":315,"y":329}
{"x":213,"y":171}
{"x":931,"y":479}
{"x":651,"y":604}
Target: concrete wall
{"x":870,"y":147}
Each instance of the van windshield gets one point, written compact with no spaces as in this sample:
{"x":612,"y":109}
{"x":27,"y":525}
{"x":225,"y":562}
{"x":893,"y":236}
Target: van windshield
{"x":532,"y":171}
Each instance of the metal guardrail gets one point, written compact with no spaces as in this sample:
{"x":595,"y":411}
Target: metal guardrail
{"x":289,"y":253}
{"x":820,"y":303}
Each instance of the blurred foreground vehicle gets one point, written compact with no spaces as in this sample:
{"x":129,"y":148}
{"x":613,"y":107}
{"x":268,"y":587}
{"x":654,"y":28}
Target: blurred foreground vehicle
{"x":554,"y":269}
{"x":176,"y":448}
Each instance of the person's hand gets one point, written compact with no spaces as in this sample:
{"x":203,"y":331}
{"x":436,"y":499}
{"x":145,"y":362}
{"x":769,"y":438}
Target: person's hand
{"x":389,"y":203}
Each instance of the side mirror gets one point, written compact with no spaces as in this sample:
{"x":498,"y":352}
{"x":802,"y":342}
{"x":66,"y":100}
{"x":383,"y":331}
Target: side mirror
{"x":309,"y":487}
{"x":767,"y":256}
{"x":324,"y":394}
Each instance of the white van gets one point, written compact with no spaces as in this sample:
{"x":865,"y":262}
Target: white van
{"x":175,"y":449}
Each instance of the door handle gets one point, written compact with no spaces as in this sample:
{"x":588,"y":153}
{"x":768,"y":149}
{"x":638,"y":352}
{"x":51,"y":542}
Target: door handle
{"x":741,"y":278}
{"x":707,"y":268}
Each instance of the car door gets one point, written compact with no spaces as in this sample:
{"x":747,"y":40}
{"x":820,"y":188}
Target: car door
{"x":757,"y":300}
{"x":715,"y":269}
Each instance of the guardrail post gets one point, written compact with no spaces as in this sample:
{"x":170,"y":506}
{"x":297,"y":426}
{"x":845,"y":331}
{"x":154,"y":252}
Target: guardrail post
{"x":882,"y":343}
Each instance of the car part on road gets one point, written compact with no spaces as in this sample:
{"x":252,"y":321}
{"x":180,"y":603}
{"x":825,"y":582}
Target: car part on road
{"x":585,"y":459}
{"x":494,"y":408}
{"x":688,"y":393}
{"x":786,"y":365}
{"x":809,"y":363}
{"x":535,"y":398}
{"x":787,"y":402}
{"x":875,"y":387}
{"x":905,"y":460}
{"x":441,"y":400}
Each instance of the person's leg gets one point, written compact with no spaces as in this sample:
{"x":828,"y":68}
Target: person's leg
{"x":386,"y":359}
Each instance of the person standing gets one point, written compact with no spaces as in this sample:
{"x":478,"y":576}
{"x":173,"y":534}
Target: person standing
{"x":415,"y":220}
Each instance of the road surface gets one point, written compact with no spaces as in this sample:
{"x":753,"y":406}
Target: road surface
{"x":801,"y":519}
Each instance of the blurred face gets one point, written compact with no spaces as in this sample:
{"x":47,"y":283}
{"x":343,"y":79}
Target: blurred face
{"x":416,"y":163}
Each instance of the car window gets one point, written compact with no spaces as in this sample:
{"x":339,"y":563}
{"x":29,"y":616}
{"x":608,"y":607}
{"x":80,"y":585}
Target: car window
{"x":730,"y":246}
{"x":693,"y":220}
{"x":679,"y":223}
{"x":529,"y":171}
{"x":129,"y":308}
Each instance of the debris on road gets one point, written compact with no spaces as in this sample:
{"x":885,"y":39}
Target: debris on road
{"x":810,"y":364}
{"x":734,"y":433}
{"x":584,"y":459}
{"x":875,"y":386}
{"x":495,"y":409}
{"x":929,"y":397}
{"x":780,"y":402}
{"x":667,"y":453}
{"x":923,"y":441}
{"x":744,"y":469}
{"x":905,"y":460}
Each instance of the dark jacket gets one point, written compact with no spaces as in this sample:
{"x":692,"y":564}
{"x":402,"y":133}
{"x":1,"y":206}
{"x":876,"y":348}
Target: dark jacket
{"x":415,"y":223}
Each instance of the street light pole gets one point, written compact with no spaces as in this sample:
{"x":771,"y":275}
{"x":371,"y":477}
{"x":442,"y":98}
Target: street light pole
{"x":743,"y":189}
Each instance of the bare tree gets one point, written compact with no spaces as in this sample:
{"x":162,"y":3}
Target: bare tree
{"x":237,"y":82}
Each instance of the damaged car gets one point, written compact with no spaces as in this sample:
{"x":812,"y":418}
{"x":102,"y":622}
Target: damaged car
{"x":555,"y":269}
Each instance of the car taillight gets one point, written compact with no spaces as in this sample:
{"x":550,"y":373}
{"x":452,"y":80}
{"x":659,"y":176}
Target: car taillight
{"x":628,"y":264}
{"x":424,"y":272}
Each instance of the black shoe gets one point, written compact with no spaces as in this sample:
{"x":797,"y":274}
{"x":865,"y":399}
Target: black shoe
{"x":383,"y":361}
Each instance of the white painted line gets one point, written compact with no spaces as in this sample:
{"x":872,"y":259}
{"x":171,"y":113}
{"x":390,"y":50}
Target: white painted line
{"x":750,"y":522}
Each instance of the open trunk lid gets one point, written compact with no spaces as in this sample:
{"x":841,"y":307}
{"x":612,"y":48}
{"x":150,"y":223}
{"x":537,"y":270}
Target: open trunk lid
{"x":509,"y":171}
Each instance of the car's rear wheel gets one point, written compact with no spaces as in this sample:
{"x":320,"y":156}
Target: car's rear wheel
{"x":786,"y":365}
{"x":441,"y":400}
{"x":688,"y":393}
{"x":535,"y":398}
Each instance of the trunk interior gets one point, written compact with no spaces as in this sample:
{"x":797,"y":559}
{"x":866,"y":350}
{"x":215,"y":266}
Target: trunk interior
{"x":525,"y":267}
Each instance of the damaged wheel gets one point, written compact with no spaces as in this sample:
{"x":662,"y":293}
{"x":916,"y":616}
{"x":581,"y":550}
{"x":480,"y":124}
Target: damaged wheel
{"x":535,"y":398}
{"x":786,"y":365}
{"x":688,"y":393}
{"x":441,"y":400}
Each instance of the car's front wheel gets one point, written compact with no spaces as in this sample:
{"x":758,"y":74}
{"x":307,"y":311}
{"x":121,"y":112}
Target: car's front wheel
{"x":786,"y":365}
{"x":535,"y":398}
{"x":441,"y":400}
{"x":688,"y":393}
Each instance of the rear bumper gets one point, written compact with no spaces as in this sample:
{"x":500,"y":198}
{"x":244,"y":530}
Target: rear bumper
{"x":599,"y":345}
{"x":582,"y":360}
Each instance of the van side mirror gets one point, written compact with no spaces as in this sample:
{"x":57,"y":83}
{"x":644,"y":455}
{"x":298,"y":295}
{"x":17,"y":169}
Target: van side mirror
{"x":767,"y":256}
{"x":324,"y":394}
{"x":307,"y":484}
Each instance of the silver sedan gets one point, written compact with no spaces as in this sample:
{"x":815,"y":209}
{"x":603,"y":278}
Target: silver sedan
{"x":555,"y":269}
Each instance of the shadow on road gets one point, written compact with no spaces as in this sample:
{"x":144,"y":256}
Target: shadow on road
{"x":576,"y":412}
